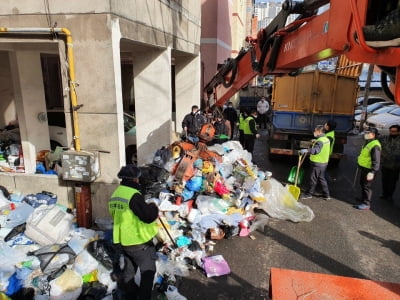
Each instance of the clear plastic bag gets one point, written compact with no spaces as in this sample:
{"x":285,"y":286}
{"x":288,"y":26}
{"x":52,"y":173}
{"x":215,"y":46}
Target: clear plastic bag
{"x":19,"y":215}
{"x":259,"y":223}
{"x":208,"y":204}
{"x":281,"y":204}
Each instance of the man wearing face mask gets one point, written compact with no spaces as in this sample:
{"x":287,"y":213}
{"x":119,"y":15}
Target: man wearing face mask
{"x":319,"y":158}
{"x":368,"y":164}
{"x":390,"y":161}
{"x":231,"y":115}
{"x":192,"y":123}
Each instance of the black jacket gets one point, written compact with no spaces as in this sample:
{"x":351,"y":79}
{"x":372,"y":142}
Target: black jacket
{"x":145,"y":212}
{"x":193,"y":122}
{"x":231,"y":114}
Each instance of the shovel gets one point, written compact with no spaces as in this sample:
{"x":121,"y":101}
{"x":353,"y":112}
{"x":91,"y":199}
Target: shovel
{"x":298,"y":177}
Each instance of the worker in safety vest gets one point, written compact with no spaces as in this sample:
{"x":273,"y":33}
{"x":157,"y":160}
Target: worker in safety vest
{"x":368,"y":164}
{"x":242,"y":117}
{"x":134,"y":228}
{"x":250,"y":131}
{"x":319,"y":158}
{"x":329,"y":128}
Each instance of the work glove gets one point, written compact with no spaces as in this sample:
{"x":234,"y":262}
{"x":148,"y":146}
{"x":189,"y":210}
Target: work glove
{"x":156,"y":201}
{"x":303,"y":151}
{"x":370,"y":176}
{"x":257,"y":135}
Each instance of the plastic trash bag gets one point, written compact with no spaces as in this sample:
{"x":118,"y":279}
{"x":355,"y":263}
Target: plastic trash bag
{"x":66,"y":287}
{"x":225,"y":170}
{"x":215,"y":266}
{"x":85,"y":263}
{"x":4,"y":202}
{"x":281,"y":204}
{"x":209,"y":204}
{"x":106,"y":253}
{"x":53,"y":257}
{"x":259,"y":223}
{"x":48,"y":225}
{"x":9,"y":257}
{"x":194,"y":184}
{"x":234,"y":151}
{"x":93,"y":290}
{"x":19,"y":215}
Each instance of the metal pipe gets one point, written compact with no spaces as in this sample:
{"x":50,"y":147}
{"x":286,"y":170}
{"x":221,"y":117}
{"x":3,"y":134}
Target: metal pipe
{"x":71,"y":69}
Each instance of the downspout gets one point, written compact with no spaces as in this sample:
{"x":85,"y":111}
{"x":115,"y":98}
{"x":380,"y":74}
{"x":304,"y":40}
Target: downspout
{"x":71,"y":70}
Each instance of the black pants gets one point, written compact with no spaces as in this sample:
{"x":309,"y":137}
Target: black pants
{"x":366,"y":186}
{"x":249,"y":140}
{"x":241,"y":137}
{"x":143,"y":257}
{"x":389,"y":180}
{"x":262,"y":120}
{"x":318,"y":176}
{"x":233,"y":124}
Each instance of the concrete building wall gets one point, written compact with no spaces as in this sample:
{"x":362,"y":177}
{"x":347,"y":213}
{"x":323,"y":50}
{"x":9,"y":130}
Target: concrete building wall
{"x":238,"y":26}
{"x":216,"y":35}
{"x":7,"y":103}
{"x":151,"y":32}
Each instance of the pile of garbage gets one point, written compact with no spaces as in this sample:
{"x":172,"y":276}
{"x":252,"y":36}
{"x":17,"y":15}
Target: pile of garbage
{"x":203,"y":195}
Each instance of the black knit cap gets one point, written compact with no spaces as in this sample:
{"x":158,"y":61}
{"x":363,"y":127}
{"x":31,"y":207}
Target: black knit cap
{"x":130,"y":171}
{"x":373,"y":130}
{"x":331,"y":124}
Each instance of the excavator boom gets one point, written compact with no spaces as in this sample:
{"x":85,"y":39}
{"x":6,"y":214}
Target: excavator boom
{"x":280,"y":49}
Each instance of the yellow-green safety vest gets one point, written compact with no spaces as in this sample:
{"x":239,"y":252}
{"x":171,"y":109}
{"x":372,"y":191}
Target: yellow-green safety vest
{"x":241,"y":121}
{"x":128,"y":229}
{"x":246,"y":125}
{"x":332,"y":135}
{"x":323,"y":156}
{"x":364,"y":159}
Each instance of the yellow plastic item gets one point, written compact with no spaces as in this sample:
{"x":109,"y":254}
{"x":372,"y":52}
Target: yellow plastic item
{"x":208,"y":167}
{"x":257,"y":196}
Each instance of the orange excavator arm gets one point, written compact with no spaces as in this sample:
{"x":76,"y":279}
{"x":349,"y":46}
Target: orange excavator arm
{"x":280,"y":49}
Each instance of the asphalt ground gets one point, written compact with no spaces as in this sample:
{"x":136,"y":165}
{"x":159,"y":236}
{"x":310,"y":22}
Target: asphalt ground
{"x":340,"y":240}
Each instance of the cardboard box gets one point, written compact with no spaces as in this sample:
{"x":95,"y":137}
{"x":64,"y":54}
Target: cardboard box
{"x":80,"y":165}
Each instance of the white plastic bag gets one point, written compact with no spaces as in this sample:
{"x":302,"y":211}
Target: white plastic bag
{"x":19,"y":215}
{"x":4,"y":203}
{"x":208,"y":204}
{"x":85,"y":263}
{"x":281,"y":204}
{"x":9,"y":257}
{"x":48,"y":225}
{"x":66,"y":287}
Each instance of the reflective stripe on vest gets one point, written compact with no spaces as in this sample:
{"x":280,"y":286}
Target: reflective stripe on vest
{"x":246,"y":125}
{"x":364,"y":159}
{"x":128,"y":229}
{"x":332,"y":135}
{"x":323,"y":156}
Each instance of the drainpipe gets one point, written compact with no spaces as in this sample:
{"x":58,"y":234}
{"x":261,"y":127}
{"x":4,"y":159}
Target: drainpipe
{"x":71,"y":70}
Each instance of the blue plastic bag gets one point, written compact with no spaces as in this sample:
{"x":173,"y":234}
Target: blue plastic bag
{"x":194,"y":184}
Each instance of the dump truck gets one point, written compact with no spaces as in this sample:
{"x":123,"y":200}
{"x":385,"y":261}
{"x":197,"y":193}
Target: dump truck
{"x":300,"y":103}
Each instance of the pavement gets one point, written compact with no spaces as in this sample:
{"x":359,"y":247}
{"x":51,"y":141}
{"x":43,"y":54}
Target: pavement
{"x":340,"y":240}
